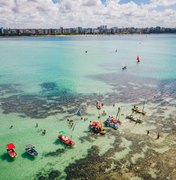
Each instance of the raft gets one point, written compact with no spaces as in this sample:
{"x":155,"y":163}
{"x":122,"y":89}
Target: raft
{"x":132,"y":118}
{"x":137,"y":110}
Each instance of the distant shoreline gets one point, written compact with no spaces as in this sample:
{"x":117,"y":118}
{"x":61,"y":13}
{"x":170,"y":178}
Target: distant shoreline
{"x":65,"y":35}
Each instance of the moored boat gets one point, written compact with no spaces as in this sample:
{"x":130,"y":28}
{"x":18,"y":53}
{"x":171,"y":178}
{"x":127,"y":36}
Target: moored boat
{"x":66,"y":140}
{"x":30,"y":149}
{"x":132,"y":118}
{"x":137,"y":110}
{"x":11,"y":150}
{"x":112,"y":122}
{"x":96,"y":127}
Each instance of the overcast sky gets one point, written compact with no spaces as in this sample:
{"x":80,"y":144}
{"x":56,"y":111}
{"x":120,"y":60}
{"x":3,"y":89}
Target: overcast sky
{"x":87,"y":13}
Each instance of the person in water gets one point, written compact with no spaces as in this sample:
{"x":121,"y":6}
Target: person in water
{"x":109,"y":118}
{"x":85,"y":119}
{"x":36,"y":125}
{"x":118,"y":109}
{"x":71,"y":125}
{"x":158,"y":136}
{"x":125,"y":67}
{"x":44,"y":132}
{"x":11,"y":127}
{"x":148,"y":132}
{"x":103,"y":113}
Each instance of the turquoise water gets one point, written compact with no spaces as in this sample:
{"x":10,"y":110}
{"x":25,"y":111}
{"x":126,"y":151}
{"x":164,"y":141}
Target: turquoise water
{"x":31,"y":61}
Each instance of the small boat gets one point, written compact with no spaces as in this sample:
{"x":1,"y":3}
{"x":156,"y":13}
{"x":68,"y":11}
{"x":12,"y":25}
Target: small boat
{"x":112,"y":122}
{"x":132,"y":118}
{"x":11,"y":150}
{"x":30,"y":149}
{"x":137,"y":110}
{"x":96,"y":127}
{"x":66,"y":140}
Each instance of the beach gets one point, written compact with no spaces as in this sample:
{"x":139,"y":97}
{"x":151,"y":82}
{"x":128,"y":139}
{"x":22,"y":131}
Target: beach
{"x":44,"y":81}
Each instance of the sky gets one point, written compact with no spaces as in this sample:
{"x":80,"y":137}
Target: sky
{"x":87,"y":13}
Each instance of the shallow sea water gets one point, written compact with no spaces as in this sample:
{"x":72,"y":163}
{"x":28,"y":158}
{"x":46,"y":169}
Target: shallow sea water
{"x":45,"y":68}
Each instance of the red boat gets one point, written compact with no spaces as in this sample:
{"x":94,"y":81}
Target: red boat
{"x":96,"y":127}
{"x":66,"y":140}
{"x":11,"y":150}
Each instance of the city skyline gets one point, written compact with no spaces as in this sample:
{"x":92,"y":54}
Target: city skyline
{"x":87,"y":13}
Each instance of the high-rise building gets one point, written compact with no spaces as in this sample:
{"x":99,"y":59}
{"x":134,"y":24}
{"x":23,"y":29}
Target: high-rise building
{"x":1,"y":31}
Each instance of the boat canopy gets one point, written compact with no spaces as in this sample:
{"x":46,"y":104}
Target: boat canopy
{"x":10,"y":146}
{"x":30,"y":146}
{"x":65,"y":138}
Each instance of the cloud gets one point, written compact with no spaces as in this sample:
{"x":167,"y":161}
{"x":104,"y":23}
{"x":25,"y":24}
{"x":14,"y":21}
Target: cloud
{"x":91,"y":3}
{"x":164,"y":3}
{"x":86,"y":13}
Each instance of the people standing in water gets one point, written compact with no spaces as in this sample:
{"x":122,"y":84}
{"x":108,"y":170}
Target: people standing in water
{"x":36,"y":125}
{"x":148,"y":132}
{"x":118,"y":109}
{"x":44,"y":132}
{"x":11,"y":127}
{"x":125,"y":67}
{"x":158,"y":136}
{"x":103,"y":113}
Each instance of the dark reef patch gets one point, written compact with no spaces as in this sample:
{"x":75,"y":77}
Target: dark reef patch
{"x":86,"y":138}
{"x":168,"y":87}
{"x":48,"y":86}
{"x":50,"y":89}
{"x":9,"y":89}
{"x":53,"y":100}
{"x":58,"y":152}
{"x":95,"y":166}
{"x":89,"y":167}
{"x":51,"y":175}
